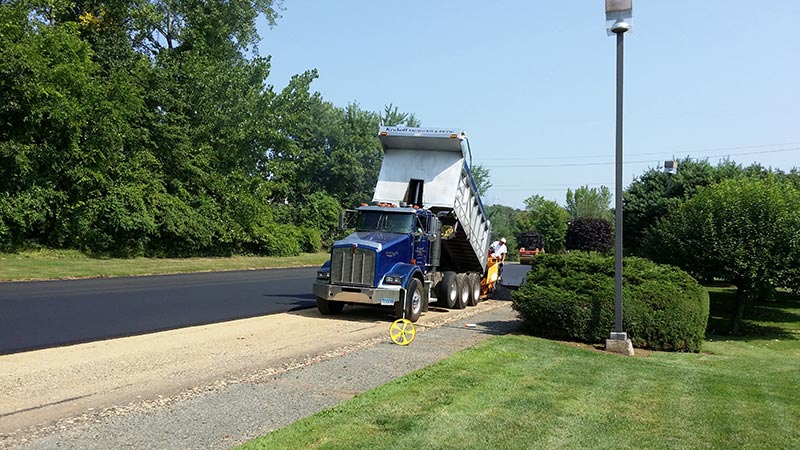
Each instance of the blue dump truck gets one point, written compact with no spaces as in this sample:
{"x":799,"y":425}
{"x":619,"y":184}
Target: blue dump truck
{"x":424,"y":238}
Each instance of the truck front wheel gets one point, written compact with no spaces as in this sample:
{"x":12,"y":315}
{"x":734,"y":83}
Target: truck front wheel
{"x":412,"y":306}
{"x":328,"y":307}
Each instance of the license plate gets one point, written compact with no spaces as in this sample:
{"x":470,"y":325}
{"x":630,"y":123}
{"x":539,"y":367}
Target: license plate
{"x":387,"y":301}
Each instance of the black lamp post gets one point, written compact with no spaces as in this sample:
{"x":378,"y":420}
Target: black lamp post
{"x":617,"y":14}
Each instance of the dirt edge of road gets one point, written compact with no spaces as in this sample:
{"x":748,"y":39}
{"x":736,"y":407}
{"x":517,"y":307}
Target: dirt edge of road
{"x":52,"y":390}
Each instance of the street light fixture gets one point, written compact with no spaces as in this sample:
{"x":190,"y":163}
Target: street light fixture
{"x":618,"y":13}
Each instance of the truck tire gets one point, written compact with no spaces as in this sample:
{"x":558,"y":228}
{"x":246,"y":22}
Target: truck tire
{"x":328,"y":307}
{"x":474,"y":288}
{"x":412,"y":303}
{"x":448,"y":290}
{"x":462,"y":299}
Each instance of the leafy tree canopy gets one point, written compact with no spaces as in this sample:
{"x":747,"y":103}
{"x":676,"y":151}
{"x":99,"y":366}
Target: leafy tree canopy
{"x":504,"y":220}
{"x":144,"y":127}
{"x":393,"y":117}
{"x":481,"y":176}
{"x":744,"y":231}
{"x":654,"y":194}
{"x":589,"y":202}
{"x":546,"y":217}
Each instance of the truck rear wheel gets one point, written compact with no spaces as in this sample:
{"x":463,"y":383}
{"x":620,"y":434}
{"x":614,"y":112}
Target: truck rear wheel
{"x":462,"y":299}
{"x":448,"y":290}
{"x":412,"y":306}
{"x":474,"y":288}
{"x":329,"y":307}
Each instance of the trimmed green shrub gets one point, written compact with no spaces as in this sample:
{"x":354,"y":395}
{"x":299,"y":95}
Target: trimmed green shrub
{"x":572,"y":297}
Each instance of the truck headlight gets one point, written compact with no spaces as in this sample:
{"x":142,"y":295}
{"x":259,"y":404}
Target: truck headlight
{"x":392,"y":279}
{"x":323,"y":275}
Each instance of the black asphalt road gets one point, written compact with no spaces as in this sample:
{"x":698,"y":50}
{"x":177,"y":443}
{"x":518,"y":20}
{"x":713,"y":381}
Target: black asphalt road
{"x":514,"y":274}
{"x":46,"y":314}
{"x":52,"y":313}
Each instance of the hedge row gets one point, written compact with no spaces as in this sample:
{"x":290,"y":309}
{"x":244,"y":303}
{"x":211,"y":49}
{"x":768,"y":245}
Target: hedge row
{"x":572,"y":297}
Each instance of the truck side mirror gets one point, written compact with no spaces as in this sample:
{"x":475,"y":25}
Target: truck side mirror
{"x":346,"y":219}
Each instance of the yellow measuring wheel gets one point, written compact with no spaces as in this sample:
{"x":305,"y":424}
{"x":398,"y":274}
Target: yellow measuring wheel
{"x":402,"y":331}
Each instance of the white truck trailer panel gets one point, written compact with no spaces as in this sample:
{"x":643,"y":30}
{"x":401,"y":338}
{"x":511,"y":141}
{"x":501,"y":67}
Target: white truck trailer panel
{"x":436,"y":157}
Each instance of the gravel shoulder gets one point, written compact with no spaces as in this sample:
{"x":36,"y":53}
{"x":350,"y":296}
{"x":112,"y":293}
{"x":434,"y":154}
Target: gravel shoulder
{"x":216,"y":386}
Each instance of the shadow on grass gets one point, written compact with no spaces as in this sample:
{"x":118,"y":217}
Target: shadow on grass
{"x":500,"y":327}
{"x":758,"y":316}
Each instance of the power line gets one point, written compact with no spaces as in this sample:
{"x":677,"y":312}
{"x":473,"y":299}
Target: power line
{"x":684,"y":151}
{"x":636,"y":162}
{"x":529,"y":190}
{"x":550,"y":185}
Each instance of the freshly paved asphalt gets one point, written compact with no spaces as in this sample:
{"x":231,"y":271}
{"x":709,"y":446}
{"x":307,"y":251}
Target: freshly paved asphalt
{"x":53,"y":313}
{"x":514,"y":274}
{"x":46,"y":314}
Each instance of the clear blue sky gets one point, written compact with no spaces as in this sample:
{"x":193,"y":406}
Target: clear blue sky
{"x":533,"y":83}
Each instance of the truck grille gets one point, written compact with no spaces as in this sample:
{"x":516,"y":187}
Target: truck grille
{"x":353,"y":266}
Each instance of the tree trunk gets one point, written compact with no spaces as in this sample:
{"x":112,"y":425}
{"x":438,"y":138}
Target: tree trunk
{"x":738,"y":311}
{"x":169,"y":25}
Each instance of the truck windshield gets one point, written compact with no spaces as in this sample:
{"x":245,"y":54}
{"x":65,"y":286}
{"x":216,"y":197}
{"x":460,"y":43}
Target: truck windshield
{"x":385,"y":222}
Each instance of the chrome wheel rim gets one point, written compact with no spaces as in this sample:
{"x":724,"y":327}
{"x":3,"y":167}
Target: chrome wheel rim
{"x":416,"y":300}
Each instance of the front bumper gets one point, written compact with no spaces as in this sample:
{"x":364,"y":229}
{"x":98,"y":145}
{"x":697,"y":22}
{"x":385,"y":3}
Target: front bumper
{"x":352,"y":294}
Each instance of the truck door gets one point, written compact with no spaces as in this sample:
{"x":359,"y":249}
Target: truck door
{"x":422,"y":242}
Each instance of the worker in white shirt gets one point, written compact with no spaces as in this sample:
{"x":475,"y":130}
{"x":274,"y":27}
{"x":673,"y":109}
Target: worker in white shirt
{"x":499,"y":250}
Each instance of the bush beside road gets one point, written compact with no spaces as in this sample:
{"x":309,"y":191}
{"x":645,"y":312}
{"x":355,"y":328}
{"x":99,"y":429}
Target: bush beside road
{"x":571,"y":297}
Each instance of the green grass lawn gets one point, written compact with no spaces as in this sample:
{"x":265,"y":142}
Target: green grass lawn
{"x":519,"y":392}
{"x":56,"y":264}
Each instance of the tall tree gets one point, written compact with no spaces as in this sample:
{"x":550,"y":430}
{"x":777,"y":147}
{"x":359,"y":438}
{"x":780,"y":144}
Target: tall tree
{"x":504,"y":220}
{"x":122,"y":142}
{"x":594,"y":203}
{"x":393,"y":117}
{"x":655,"y":193}
{"x":741,"y":230}
{"x":322,"y":147}
{"x":148,"y":127}
{"x":547,"y":218}
{"x":481,"y":175}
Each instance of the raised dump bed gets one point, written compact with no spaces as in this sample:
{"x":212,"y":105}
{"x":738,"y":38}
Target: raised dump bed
{"x":428,"y":168}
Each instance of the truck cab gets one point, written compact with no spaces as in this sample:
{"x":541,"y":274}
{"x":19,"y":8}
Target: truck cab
{"x":389,"y":260}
